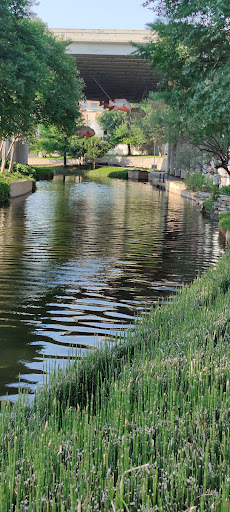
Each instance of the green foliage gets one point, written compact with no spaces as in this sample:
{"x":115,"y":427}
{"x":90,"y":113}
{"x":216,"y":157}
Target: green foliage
{"x":95,"y":148}
{"x":145,"y":423}
{"x":119,"y":174}
{"x":195,"y":181}
{"x":157,"y":126}
{"x":189,"y":157}
{"x":4,"y":193}
{"x":208,"y":205}
{"x":110,"y":172}
{"x":192,"y":55}
{"x":224,"y":221}
{"x":225,"y":190}
{"x":38,"y":80}
{"x":51,"y":140}
{"x":7,"y":178}
{"x":24,"y":170}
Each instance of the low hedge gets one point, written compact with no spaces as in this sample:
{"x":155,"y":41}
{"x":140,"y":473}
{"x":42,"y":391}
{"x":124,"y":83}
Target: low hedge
{"x":4,"y":192}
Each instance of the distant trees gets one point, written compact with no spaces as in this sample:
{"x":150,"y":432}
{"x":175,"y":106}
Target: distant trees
{"x":52,"y":140}
{"x":192,"y":55}
{"x":38,"y":80}
{"x":157,"y":127}
{"x":95,"y":148}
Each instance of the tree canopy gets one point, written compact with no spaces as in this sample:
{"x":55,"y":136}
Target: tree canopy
{"x":192,"y":54}
{"x":38,"y":80}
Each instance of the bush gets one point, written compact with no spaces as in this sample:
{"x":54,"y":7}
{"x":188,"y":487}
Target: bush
{"x":225,"y":190}
{"x":25,"y":170}
{"x":4,"y":193}
{"x":208,"y":205}
{"x":198,"y":182}
{"x":224,"y":221}
{"x":195,"y":181}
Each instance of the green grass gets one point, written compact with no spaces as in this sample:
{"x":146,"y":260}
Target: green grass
{"x":224,"y":221}
{"x":141,"y":427}
{"x":44,"y":172}
{"x":225,"y":190}
{"x":110,"y":172}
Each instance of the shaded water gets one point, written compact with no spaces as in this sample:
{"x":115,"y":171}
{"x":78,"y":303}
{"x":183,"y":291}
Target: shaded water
{"x":78,"y":259}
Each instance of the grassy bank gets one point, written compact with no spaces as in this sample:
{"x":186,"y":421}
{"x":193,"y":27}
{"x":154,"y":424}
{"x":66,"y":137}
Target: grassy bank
{"x":110,"y":172}
{"x":141,"y":427}
{"x":43,"y":172}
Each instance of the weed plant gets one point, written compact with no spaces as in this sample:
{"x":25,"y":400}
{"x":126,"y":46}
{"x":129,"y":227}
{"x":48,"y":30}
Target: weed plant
{"x":224,"y":221}
{"x":143,"y":426}
{"x":225,"y":190}
{"x":198,"y":182}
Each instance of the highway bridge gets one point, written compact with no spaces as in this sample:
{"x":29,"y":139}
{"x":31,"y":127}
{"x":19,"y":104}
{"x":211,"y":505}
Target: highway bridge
{"x":107,"y":64}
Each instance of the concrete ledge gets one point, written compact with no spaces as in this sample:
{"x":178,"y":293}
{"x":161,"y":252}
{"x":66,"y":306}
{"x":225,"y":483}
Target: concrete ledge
{"x":20,"y":188}
{"x":189,"y":195}
{"x":176,"y":187}
{"x":137,"y":175}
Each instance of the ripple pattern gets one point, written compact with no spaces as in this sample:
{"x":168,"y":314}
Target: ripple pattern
{"x":80,"y":260}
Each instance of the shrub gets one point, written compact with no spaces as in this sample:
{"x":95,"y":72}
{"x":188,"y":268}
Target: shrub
{"x":195,"y":181}
{"x":4,"y":193}
{"x":208,"y":205}
{"x":198,"y":182}
{"x":224,"y":221}
{"x":25,"y":170}
{"x":225,"y":190}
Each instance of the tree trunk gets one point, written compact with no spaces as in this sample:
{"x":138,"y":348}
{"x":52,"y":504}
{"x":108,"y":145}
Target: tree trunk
{"x":65,"y":164}
{"x":3,"y":162}
{"x":12,"y":156}
{"x":94,"y":163}
{"x":160,"y":150}
{"x":129,"y":149}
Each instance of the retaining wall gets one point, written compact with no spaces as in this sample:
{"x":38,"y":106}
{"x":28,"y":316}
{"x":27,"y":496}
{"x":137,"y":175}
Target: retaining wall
{"x":20,"y":188}
{"x":135,"y":161}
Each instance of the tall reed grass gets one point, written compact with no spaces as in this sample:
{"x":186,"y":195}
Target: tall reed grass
{"x":143,"y":426}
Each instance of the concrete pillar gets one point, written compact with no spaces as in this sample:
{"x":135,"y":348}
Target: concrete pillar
{"x":21,"y":152}
{"x":172,"y":159}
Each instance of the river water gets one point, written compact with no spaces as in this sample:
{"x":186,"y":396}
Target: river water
{"x":79,"y":259}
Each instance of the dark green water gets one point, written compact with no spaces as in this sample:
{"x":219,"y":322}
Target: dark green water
{"x":79,"y":259}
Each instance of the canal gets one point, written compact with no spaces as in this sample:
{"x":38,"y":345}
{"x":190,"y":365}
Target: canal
{"x":79,"y":259}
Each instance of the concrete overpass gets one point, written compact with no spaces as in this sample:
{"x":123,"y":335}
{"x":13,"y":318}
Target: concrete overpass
{"x":105,"y":61}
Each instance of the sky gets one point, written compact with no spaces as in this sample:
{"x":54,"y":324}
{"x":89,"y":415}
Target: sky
{"x":118,"y":14}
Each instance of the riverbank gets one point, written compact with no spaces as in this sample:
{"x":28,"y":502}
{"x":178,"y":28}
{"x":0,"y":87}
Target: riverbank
{"x":14,"y":185}
{"x":110,"y":172}
{"x":143,"y":426}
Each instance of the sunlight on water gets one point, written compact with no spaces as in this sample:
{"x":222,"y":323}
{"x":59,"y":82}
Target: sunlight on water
{"x":79,"y":260}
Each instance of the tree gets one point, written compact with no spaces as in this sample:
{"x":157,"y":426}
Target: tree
{"x":52,"y":140}
{"x":38,"y":80}
{"x":95,"y":148}
{"x":122,"y":129}
{"x":192,"y":54}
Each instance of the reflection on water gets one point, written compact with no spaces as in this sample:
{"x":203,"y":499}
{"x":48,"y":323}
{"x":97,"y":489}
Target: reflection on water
{"x":79,"y":259}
